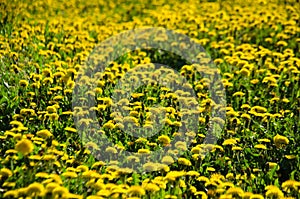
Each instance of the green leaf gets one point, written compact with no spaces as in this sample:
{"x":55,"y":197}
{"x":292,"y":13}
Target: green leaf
{"x":255,"y":154}
{"x":276,"y":183}
{"x":248,"y":150}
{"x":272,"y":172}
{"x":135,"y":178}
{"x":293,"y":174}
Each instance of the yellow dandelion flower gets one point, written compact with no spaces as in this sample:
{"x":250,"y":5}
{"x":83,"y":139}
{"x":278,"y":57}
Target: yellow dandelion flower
{"x":94,"y":197}
{"x":280,"y":140}
{"x":220,"y":190}
{"x":11,"y":151}
{"x":82,"y":168}
{"x":202,"y":179}
{"x":290,"y":185}
{"x":245,"y":106}
{"x":4,"y":172}
{"x":281,"y":43}
{"x":35,"y":189}
{"x":150,"y":166}
{"x":184,"y":161}
{"x":196,"y":150}
{"x":9,"y":184}
{"x":245,"y":72}
{"x":47,"y":80}
{"x":235,"y":191}
{"x":177,"y":123}
{"x":236,"y":148}
{"x":48,"y":157}
{"x":141,"y":140}
{"x":211,"y":169}
{"x":218,"y":61}
{"x":60,"y":191}
{"x":111,"y":150}
{"x":273,"y":191}
{"x":136,"y":191}
{"x":151,"y":187}
{"x":11,"y":194}
{"x":259,"y":109}
{"x":285,"y":100}
{"x":182,"y":183}
{"x":109,"y":125}
{"x":217,"y":148}
{"x":239,"y":94}
{"x":254,"y":81}
{"x":164,"y":139}
{"x":290,"y":157}
{"x":144,"y":151}
{"x":16,"y":124}
{"x":232,"y":113}
{"x":255,"y":196}
{"x":133,"y":158}
{"x":210,"y":184}
{"x":246,"y":116}
{"x":193,"y":189}
{"x":173,"y":175}
{"x":260,"y":146}
{"x":104,"y":193}
{"x":264,"y":140}
{"x":24,"y":146}
{"x":70,"y":129}
{"x":269,"y":79}
{"x":167,"y":160}
{"x":98,"y":164}
{"x":227,"y":185}
{"x":51,"y":109}
{"x":42,"y":175}
{"x":202,"y":194}
{"x":73,"y":196}
{"x":52,"y":116}
{"x":181,"y":145}
{"x":193,"y":173}
{"x":168,"y":196}
{"x":69,"y":174}
{"x":44,"y":133}
{"x":230,"y":141}
{"x":23,"y":83}
{"x":273,"y":165}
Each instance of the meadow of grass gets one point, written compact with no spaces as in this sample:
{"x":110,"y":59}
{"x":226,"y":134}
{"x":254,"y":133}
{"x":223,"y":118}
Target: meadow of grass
{"x":43,"y":47}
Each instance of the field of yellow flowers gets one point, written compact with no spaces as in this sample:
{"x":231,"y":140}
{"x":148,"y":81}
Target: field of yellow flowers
{"x":43,"y":47}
